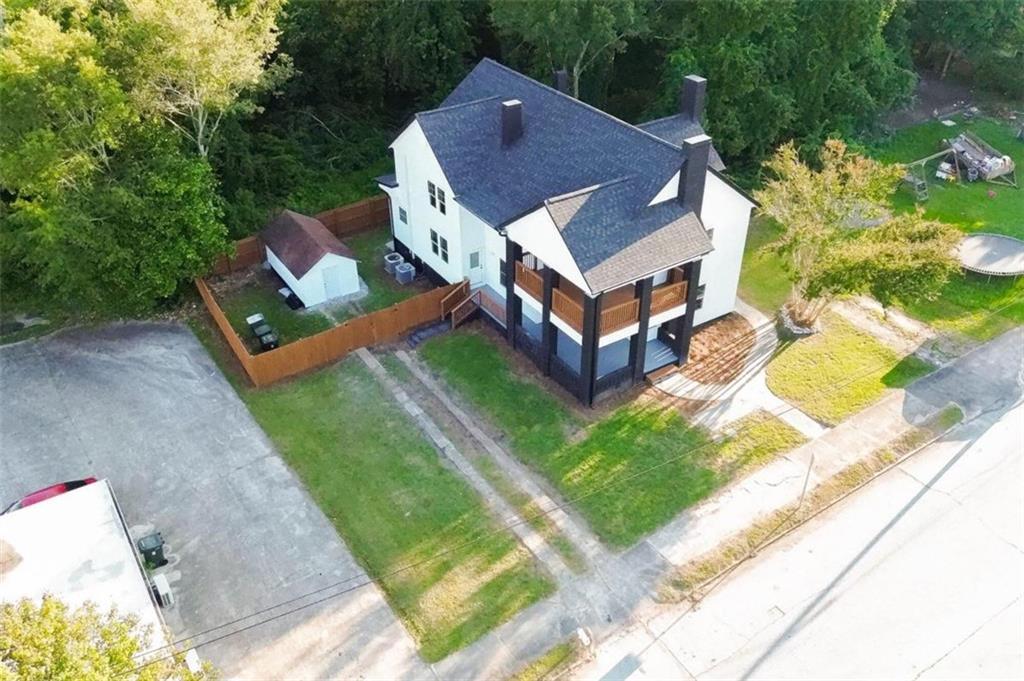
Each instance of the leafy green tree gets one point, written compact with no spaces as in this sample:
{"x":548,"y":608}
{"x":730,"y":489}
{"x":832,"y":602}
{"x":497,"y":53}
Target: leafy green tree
{"x":969,"y":30}
{"x":62,"y":112}
{"x":50,"y":641}
{"x":193,"y":61}
{"x":125,"y":237}
{"x":575,"y":35}
{"x":784,"y":69}
{"x":839,"y":238}
{"x":99,"y":205}
{"x":358,"y":56}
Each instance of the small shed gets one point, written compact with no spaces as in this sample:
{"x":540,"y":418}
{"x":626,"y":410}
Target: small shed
{"x":316,"y":266}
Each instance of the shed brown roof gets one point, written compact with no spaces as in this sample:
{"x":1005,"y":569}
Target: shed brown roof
{"x":300,"y":241}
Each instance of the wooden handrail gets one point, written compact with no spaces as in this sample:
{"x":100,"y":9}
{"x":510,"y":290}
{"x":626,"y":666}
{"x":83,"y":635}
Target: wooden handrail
{"x":461,"y":290}
{"x":620,"y":316}
{"x":567,"y":309}
{"x":667,"y":296}
{"x":530,"y":281}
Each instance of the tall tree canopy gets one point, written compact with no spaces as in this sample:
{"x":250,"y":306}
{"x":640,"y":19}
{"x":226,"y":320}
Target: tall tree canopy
{"x":48,"y":640}
{"x":780,"y":69}
{"x":989,"y":35}
{"x":838,"y":237}
{"x":101,"y":204}
{"x":574,"y":35}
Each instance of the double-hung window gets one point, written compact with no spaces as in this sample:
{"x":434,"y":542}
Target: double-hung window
{"x":439,"y":245}
{"x":402,"y":216}
{"x":437,"y":197}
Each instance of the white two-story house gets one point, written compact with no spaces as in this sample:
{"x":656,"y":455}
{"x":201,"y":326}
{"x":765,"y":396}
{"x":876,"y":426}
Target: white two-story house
{"x":597,"y":245}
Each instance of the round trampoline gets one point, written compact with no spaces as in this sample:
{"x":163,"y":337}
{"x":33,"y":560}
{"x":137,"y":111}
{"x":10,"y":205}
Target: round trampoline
{"x":992,"y":254}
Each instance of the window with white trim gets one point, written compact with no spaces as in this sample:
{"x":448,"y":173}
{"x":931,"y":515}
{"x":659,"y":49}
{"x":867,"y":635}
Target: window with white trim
{"x":402,"y":216}
{"x":432,"y":191}
{"x":474,"y":260}
{"x":439,"y":245}
{"x":440,"y":201}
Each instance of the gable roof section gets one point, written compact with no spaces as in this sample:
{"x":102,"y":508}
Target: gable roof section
{"x":610,"y":255}
{"x":566,"y":146}
{"x":300,"y":242}
{"x":675,"y":129}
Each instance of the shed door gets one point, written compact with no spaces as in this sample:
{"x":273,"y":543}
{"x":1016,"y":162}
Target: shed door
{"x":333,"y":281}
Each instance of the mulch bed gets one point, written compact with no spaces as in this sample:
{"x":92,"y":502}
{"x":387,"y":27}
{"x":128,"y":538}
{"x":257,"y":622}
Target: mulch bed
{"x":719,"y":350}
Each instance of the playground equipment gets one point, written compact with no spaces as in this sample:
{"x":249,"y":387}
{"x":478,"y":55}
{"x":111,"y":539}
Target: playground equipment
{"x":964,"y":158}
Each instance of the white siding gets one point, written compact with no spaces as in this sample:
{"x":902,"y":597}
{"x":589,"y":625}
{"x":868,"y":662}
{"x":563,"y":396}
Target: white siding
{"x":537,"y":234}
{"x":727,"y":212}
{"x":494,"y":247}
{"x":415,"y":165}
{"x":310,"y":288}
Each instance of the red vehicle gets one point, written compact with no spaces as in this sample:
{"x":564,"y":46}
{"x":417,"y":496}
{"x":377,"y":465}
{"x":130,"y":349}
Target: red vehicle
{"x":47,"y":493}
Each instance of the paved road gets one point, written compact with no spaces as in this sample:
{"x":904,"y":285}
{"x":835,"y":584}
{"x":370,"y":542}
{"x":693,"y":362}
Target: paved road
{"x":918,"y":576}
{"x":143,"y":405}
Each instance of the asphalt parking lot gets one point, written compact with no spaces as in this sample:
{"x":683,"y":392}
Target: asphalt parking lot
{"x":144,"y":406}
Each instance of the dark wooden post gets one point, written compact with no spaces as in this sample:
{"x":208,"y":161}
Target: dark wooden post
{"x":685,"y":330}
{"x":638,"y":347}
{"x":547,"y":329}
{"x":513,"y":305}
{"x":588,"y":355}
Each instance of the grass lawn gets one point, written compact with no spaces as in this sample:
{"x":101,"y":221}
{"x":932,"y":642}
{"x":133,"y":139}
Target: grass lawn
{"x":394,"y":502}
{"x":763,"y":281}
{"x":839,"y":371}
{"x":259,"y":296}
{"x":967,"y":299}
{"x":384,"y":290}
{"x":628,"y":473}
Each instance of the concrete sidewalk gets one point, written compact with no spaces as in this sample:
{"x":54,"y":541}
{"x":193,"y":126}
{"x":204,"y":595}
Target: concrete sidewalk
{"x":620,"y":593}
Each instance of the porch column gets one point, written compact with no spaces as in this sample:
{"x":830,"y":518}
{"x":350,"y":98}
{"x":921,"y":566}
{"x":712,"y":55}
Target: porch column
{"x":685,"y":330}
{"x":638,"y":346}
{"x":513,"y":305}
{"x":588,"y":356}
{"x":548,"y":330}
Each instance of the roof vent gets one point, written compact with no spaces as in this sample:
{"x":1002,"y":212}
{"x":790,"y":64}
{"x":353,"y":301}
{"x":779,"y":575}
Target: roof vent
{"x":691,"y":97}
{"x":693,"y":173}
{"x":511,"y":121}
{"x":560,"y":79}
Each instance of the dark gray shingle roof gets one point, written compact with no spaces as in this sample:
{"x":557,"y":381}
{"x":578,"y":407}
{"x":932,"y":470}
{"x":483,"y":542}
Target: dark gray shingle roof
{"x":674,"y":129}
{"x":566,"y":146}
{"x":609,"y":256}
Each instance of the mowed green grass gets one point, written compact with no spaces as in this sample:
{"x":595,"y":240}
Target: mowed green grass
{"x":384,"y":290}
{"x":386,"y":491}
{"x":628,"y":473}
{"x":763,"y":280}
{"x":839,"y":371}
{"x":969,"y":304}
{"x":290,"y":325}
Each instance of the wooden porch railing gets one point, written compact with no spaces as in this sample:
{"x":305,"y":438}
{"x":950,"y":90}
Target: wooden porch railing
{"x":567,"y":310}
{"x":455,"y":298}
{"x":667,"y":296}
{"x":530,"y":281}
{"x":620,"y":316}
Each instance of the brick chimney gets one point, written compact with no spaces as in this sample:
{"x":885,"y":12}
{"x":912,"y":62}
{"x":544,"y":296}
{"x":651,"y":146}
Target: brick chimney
{"x":560,"y":80}
{"x":693,"y":172}
{"x":511,"y":121}
{"x":691,"y":97}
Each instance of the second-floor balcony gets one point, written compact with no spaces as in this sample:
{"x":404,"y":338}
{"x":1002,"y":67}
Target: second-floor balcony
{"x":620,"y":307}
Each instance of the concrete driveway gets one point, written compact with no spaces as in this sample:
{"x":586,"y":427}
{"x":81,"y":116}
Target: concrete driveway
{"x":143,"y":405}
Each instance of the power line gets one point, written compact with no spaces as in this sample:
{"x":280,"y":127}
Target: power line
{"x":500,"y":529}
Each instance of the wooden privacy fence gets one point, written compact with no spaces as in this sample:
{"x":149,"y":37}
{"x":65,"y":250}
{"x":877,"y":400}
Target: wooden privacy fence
{"x":344,"y":221}
{"x":327,"y":346}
